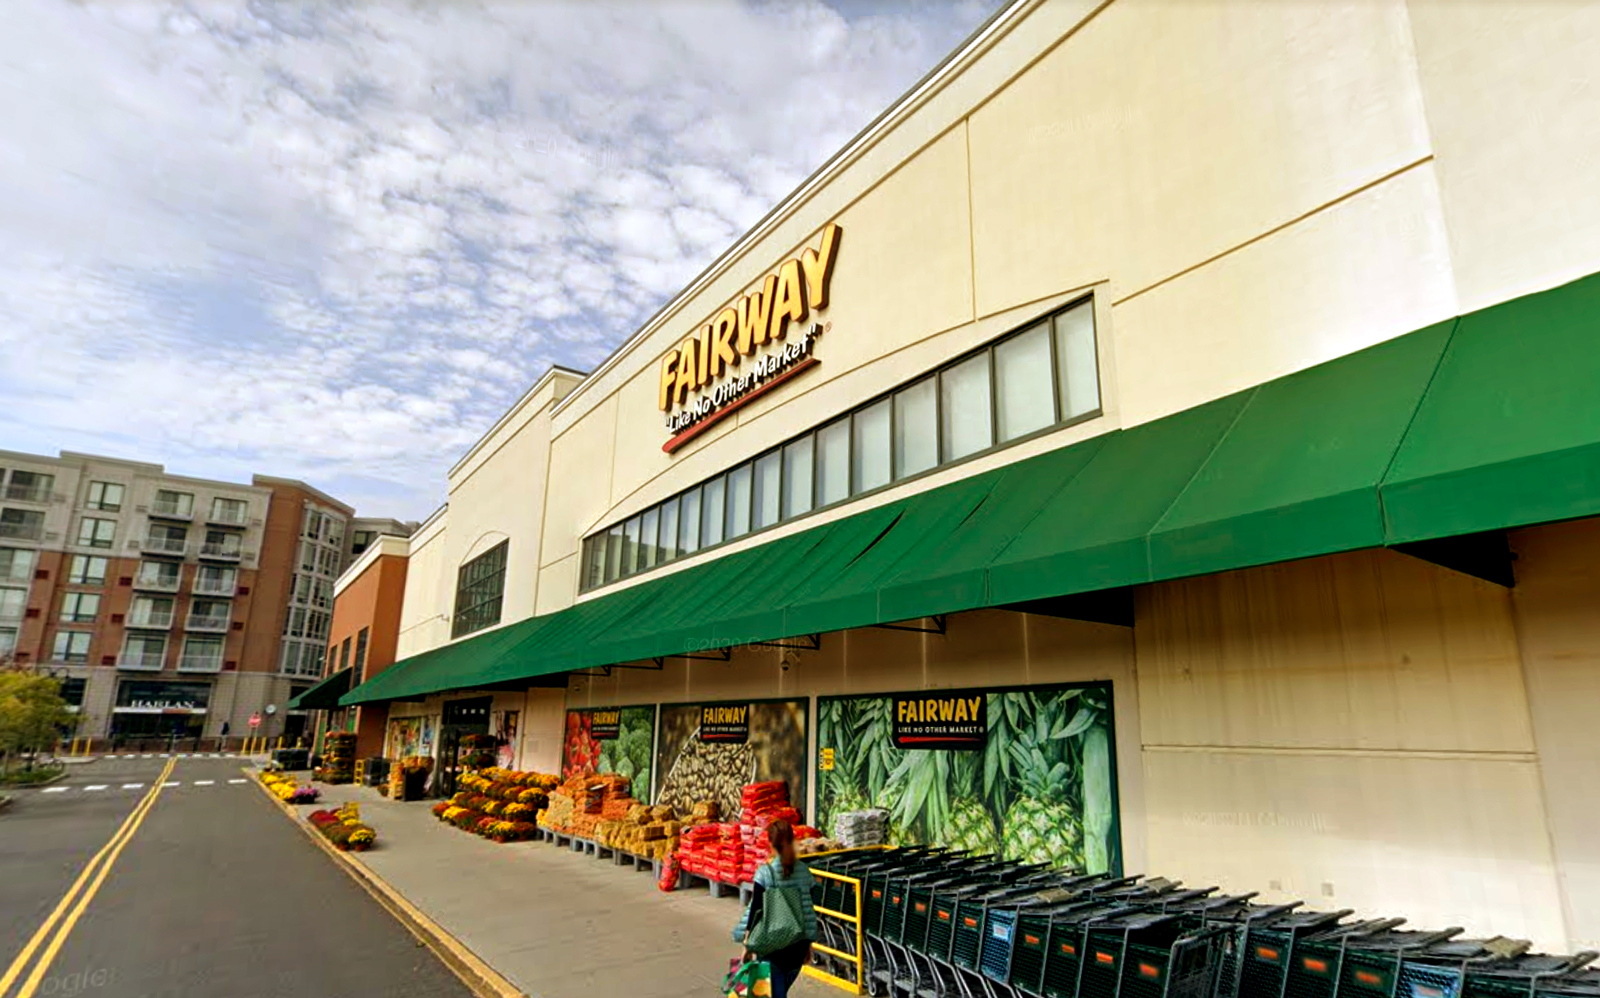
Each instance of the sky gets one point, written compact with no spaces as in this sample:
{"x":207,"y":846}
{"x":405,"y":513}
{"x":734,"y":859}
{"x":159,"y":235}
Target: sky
{"x":336,"y":241}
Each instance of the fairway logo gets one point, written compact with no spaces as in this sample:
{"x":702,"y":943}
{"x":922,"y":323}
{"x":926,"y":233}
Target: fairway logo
{"x":605,"y":725}
{"x":730,"y":725}
{"x":715,"y":369}
{"x":952,"y":721}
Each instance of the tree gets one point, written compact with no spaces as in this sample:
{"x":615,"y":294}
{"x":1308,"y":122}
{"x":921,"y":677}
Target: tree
{"x":32,"y":715}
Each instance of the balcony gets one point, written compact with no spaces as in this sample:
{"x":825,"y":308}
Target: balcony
{"x":141,"y":661}
{"x":164,"y":545}
{"x":27,"y":493}
{"x":203,"y":623}
{"x":169,"y":510}
{"x":22,"y":531}
{"x":200,"y":663}
{"x":204,"y":586}
{"x":221,"y":552}
{"x":153,"y":620}
{"x":229,"y":517}
{"x":157,"y":583}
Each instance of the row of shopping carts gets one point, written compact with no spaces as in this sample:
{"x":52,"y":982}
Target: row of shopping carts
{"x":938,"y":924}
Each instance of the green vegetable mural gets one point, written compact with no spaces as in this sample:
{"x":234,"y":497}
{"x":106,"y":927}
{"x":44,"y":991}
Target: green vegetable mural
{"x":1027,"y":773}
{"x":611,"y":740}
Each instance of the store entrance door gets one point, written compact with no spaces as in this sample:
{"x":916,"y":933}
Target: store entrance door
{"x":460,"y":718}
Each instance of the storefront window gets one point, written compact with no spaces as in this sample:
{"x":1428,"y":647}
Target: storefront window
{"x":711,"y":508}
{"x":1023,"y":400}
{"x":738,"y":518}
{"x":1041,"y":376}
{"x":964,"y":408}
{"x":1079,"y":378}
{"x":764,"y":490}
{"x":916,"y":428}
{"x":796,"y":478}
{"x":833,"y":462}
{"x":870,"y":454}
{"x":649,"y":524}
{"x":689,"y":522}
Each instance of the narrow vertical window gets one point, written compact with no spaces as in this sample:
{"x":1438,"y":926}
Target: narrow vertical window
{"x":711,"y":508}
{"x":871,"y":448}
{"x":764,"y":498}
{"x":738,"y":516}
{"x":797,"y":478}
{"x":1079,"y":377}
{"x":833,"y":462}
{"x":689,"y":522}
{"x":916,"y":428}
{"x":1023,"y":399}
{"x":964,"y":408}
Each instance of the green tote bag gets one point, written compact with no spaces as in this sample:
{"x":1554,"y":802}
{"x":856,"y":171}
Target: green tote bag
{"x":782,"y":921}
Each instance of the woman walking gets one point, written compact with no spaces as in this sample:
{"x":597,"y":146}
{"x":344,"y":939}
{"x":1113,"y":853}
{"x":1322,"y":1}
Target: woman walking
{"x":780,"y":925}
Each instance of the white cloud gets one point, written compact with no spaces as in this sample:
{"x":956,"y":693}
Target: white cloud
{"x":334,"y":242}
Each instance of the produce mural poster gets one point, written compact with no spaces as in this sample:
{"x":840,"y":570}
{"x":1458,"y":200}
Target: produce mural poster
{"x":505,"y":729}
{"x":1029,"y":773}
{"x":611,"y":740}
{"x":410,"y":736}
{"x":709,"y":751}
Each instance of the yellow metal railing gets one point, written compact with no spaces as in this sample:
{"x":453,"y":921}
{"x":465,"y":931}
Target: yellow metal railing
{"x":853,"y":924}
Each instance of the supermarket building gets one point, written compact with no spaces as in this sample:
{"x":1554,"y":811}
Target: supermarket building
{"x":1238,"y":356}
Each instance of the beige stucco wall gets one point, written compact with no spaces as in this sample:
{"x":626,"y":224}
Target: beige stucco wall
{"x":424,"y":616}
{"x":1351,"y":730}
{"x":1558,"y":590}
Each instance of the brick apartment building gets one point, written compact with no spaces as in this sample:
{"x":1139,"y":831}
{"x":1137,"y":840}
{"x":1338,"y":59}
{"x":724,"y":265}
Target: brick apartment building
{"x":170,"y":607}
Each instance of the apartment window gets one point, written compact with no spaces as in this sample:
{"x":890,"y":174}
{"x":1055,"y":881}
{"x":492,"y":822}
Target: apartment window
{"x":210,"y":612}
{"x":317,"y":626}
{"x":8,"y":640}
{"x":106,"y":496}
{"x":88,"y":570}
{"x":328,"y":562}
{"x":202,"y":654}
{"x":164,"y":539}
{"x":308,"y":556}
{"x":360,"y":540}
{"x":216,"y":580}
{"x":150,"y":611}
{"x":13,"y":602}
{"x":72,"y":646}
{"x":344,"y":655}
{"x":30,"y":486}
{"x":916,"y":428}
{"x":144,"y":651}
{"x":1032,"y":380}
{"x":294,"y":625}
{"x":17,"y":564}
{"x":160,"y":574}
{"x":230,"y":510}
{"x":480,"y":588}
{"x":21,"y":524}
{"x":93,"y":533}
{"x":361,"y":651}
{"x":335,"y":533}
{"x":222,"y":542}
{"x":170,"y":503}
{"x":72,"y":690}
{"x":80,"y":608}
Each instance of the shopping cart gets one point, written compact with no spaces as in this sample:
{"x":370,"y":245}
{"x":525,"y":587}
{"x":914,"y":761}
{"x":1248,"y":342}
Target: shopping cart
{"x":1064,"y":947}
{"x":1145,"y":954}
{"x":1521,"y":976}
{"x":1579,"y":984}
{"x":1237,"y":914}
{"x":1393,"y":967}
{"x":1314,"y":971}
{"x":1270,"y":949}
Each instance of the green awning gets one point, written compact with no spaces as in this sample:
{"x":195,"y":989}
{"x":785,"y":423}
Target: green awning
{"x":1478,"y":423}
{"x":1510,"y":431}
{"x":325,"y":695}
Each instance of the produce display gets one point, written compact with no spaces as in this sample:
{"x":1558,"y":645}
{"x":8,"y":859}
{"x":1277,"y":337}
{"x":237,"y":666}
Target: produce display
{"x":579,"y":805}
{"x":707,"y":771}
{"x":624,"y":751}
{"x":344,"y":828}
{"x":731,"y":853}
{"x":643,"y":830}
{"x":284,"y":787}
{"x":498,"y":804}
{"x":338,"y":758}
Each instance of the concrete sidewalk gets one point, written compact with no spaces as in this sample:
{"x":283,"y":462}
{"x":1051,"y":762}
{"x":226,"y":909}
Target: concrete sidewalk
{"x":554,"y":923}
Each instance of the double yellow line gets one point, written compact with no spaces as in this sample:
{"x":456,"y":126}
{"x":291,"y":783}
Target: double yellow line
{"x":59,"y":925}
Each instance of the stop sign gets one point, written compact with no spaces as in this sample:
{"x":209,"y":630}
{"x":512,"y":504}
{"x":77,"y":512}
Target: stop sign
{"x":255,"y":720}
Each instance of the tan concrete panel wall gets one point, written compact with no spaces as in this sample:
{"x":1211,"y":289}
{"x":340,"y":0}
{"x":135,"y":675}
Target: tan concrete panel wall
{"x":1558,"y":589}
{"x":579,"y":491}
{"x":502,"y":498}
{"x":1512,"y":102}
{"x":1438,"y":841}
{"x":1368,"y":650}
{"x":424,"y":616}
{"x":1162,"y":134}
{"x":1360,"y":272}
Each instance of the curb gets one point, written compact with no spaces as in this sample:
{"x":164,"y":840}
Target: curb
{"x":13,"y":788}
{"x":477,"y":975}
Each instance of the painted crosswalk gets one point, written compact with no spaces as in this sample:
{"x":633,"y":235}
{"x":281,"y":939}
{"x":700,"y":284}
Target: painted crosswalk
{"x":103,"y":787}
{"x":169,"y":755}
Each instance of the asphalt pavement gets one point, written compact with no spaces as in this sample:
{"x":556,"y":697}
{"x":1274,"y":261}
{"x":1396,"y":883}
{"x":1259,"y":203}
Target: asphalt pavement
{"x":212,"y":894}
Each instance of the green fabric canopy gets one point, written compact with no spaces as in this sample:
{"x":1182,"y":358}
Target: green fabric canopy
{"x":1478,"y":423}
{"x":325,"y":695}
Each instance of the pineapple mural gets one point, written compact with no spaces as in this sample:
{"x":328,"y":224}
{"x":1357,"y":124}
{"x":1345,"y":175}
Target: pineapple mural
{"x":1041,"y":789}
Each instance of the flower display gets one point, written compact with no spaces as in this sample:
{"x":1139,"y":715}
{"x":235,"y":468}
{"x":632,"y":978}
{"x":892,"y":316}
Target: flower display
{"x":285,"y":788}
{"x":344,"y":828}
